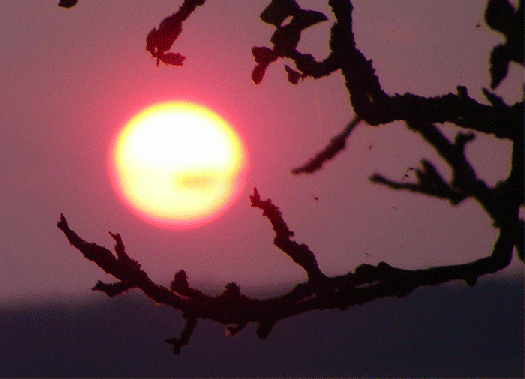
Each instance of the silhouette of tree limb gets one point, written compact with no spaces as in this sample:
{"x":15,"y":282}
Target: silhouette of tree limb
{"x":185,"y":335}
{"x":160,"y":40}
{"x":236,"y":310}
{"x":337,"y":144}
{"x":429,"y":183}
{"x":67,"y":3}
{"x":375,"y":107}
{"x":501,"y":16}
{"x":501,"y":202}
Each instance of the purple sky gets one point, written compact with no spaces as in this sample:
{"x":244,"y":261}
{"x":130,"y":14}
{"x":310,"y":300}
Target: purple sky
{"x":71,"y":78}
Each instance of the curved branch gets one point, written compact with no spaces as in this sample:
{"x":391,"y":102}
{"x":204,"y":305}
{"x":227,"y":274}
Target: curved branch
{"x":236,"y":310}
{"x":374,"y":106}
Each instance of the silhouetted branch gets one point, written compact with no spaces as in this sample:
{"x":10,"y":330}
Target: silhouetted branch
{"x":501,"y":16}
{"x":185,"y":335}
{"x":160,"y":40}
{"x":67,"y":3}
{"x":337,"y":144}
{"x":464,"y":179}
{"x":300,"y":254}
{"x":372,"y":105}
{"x":429,"y":183}
{"x":112,"y":289}
{"x":501,"y":202}
{"x":236,"y":310}
{"x":285,"y":40}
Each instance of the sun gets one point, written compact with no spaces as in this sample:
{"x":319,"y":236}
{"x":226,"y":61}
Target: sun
{"x":177,"y":165}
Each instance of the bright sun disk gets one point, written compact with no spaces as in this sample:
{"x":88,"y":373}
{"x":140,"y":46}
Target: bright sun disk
{"x":177,"y":164}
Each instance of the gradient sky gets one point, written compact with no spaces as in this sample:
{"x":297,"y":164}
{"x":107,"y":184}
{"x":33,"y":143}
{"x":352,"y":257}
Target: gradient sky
{"x":71,"y":79}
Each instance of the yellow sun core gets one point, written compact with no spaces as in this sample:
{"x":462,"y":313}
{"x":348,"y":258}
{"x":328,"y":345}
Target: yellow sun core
{"x":177,"y":164}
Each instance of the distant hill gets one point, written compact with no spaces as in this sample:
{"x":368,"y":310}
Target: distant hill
{"x":435,"y":332}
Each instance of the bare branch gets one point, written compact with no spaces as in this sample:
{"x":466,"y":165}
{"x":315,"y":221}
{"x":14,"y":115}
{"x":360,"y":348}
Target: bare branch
{"x":366,"y":284}
{"x":67,"y":3}
{"x":300,"y":254}
{"x":337,"y":144}
{"x":185,"y":335}
{"x":429,"y":183}
{"x":112,"y":289}
{"x":372,"y":105}
{"x":501,"y":16}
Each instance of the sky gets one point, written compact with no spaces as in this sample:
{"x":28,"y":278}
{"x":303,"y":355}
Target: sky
{"x":71,"y":79}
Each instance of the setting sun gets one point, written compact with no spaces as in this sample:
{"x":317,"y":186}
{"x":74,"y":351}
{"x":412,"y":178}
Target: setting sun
{"x":177,"y":164}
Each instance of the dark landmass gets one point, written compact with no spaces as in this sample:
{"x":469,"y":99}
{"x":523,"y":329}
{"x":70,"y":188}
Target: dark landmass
{"x":442,"y":331}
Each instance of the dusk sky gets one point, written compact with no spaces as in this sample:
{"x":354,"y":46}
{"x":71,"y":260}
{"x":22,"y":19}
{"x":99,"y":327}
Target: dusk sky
{"x":71,"y":79}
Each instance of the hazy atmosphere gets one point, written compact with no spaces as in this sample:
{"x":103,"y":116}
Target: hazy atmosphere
{"x":71,"y":79}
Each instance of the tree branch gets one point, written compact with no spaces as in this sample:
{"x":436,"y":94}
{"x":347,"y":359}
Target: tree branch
{"x":300,"y":254}
{"x":337,"y":144}
{"x":372,"y":105}
{"x":236,"y":310}
{"x":161,"y":40}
